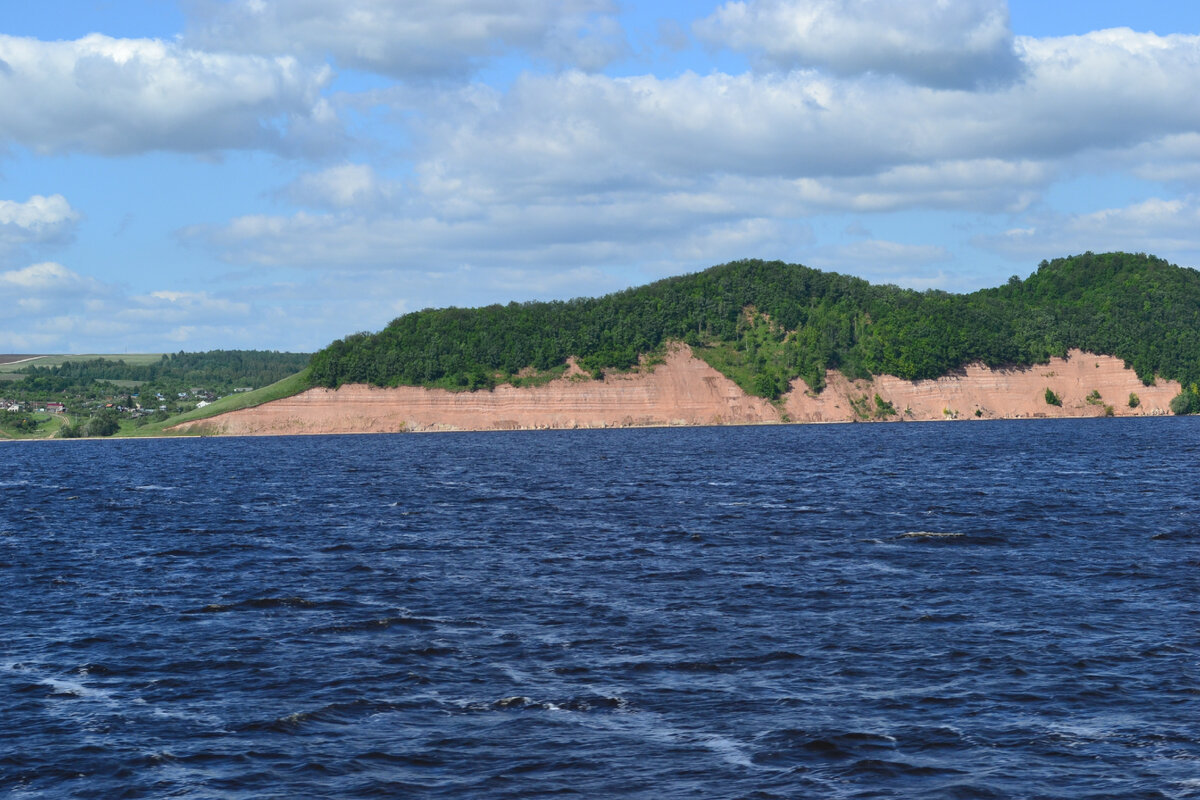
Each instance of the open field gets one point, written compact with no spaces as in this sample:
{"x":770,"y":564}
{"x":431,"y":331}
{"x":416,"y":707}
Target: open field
{"x":12,"y":363}
{"x":52,"y":423}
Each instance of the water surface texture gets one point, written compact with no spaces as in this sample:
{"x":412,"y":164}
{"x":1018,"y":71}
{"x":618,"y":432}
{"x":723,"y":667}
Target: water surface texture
{"x":710,"y":613}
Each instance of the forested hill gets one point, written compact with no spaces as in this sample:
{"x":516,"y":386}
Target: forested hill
{"x":221,"y":370}
{"x":765,"y":323}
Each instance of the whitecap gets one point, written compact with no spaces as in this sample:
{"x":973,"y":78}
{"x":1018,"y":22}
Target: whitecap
{"x":729,"y":750}
{"x":75,"y":689}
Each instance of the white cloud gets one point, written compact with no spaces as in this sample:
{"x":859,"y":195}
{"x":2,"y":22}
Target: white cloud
{"x":913,"y":266}
{"x":179,"y":306}
{"x":342,"y":186}
{"x":588,"y":170}
{"x":121,"y":96}
{"x":39,"y":219}
{"x":957,"y":44}
{"x":886,"y":254}
{"x":415,"y":39}
{"x":1172,"y":159}
{"x":45,"y":279}
{"x":574,"y":135}
{"x":650,"y":176}
{"x":1168,"y":228}
{"x":53,"y":309}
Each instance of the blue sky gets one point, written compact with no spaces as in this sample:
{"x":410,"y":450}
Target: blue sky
{"x":275,"y":175}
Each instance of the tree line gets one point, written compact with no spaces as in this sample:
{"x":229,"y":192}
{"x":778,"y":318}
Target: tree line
{"x":215,"y":370}
{"x":767,"y":323}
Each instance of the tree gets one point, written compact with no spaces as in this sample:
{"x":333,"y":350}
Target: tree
{"x":1187,"y":401}
{"x":106,"y":423}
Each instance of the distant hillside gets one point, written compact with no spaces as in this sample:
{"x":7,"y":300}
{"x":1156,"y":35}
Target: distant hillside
{"x":766,"y":323}
{"x":218,"y":371}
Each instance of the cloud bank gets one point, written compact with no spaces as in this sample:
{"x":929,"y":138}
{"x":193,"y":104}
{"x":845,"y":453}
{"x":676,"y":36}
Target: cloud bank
{"x":576,"y":169}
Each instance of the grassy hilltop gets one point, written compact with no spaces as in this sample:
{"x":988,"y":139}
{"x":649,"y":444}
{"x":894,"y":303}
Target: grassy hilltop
{"x":766,"y":323}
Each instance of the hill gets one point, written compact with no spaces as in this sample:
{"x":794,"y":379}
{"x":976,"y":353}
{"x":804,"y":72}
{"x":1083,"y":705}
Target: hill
{"x":762,"y":324}
{"x":103,"y":394}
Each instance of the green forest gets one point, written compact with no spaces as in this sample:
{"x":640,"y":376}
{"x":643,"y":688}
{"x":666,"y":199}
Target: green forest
{"x":218,"y":371}
{"x":765,"y":323}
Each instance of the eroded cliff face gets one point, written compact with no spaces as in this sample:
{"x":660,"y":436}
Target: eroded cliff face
{"x":1013,"y":393}
{"x":685,"y":391}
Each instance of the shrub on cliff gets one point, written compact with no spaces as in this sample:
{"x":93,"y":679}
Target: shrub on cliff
{"x":1051,"y":398}
{"x":1187,"y":401}
{"x":884,"y":408}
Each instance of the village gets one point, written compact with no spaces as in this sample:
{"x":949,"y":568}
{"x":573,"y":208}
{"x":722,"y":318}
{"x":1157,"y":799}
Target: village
{"x":28,"y":414}
{"x":129,"y":404}
{"x":56,"y":396}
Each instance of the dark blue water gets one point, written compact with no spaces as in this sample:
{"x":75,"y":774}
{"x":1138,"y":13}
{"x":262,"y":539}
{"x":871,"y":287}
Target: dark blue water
{"x":716,"y":613}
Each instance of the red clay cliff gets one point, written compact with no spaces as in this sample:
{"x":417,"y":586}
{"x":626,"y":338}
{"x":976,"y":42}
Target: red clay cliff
{"x":684,"y":390}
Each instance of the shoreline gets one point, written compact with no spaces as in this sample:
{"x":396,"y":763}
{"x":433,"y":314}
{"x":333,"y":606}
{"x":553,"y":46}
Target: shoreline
{"x":682,"y":391}
{"x":441,"y":431}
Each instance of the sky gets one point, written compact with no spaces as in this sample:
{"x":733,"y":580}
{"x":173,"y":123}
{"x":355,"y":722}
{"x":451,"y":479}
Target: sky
{"x":277,"y":174}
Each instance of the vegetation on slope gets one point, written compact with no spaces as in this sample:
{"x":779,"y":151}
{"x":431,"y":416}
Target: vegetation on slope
{"x":289,"y":386}
{"x":766,"y":323}
{"x":107,"y":395}
{"x":219,"y":371}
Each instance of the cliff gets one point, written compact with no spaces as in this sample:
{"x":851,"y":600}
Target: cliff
{"x":685,"y":391}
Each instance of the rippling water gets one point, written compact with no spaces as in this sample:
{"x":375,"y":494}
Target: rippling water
{"x":724,"y":612}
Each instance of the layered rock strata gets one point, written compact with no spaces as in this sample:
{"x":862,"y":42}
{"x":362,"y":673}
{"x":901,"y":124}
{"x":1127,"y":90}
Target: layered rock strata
{"x":683,"y":390}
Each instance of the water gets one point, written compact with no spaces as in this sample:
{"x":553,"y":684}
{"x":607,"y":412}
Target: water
{"x":717,"y":613}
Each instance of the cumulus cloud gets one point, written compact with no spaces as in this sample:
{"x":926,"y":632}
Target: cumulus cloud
{"x":1114,"y":89}
{"x":615,"y":230}
{"x":1171,"y":159}
{"x":53,"y":309}
{"x":37,"y":220}
{"x":421,"y":39}
{"x":959,"y":44}
{"x":122,"y":96}
{"x":1165,"y":227}
{"x":50,"y":308}
{"x":45,"y":280}
{"x":343,"y":186}
{"x":584,"y":171}
{"x":589,"y":169}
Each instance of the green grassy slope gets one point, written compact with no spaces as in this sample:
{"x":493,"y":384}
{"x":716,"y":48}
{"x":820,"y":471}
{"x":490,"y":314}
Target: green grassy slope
{"x":291,"y":385}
